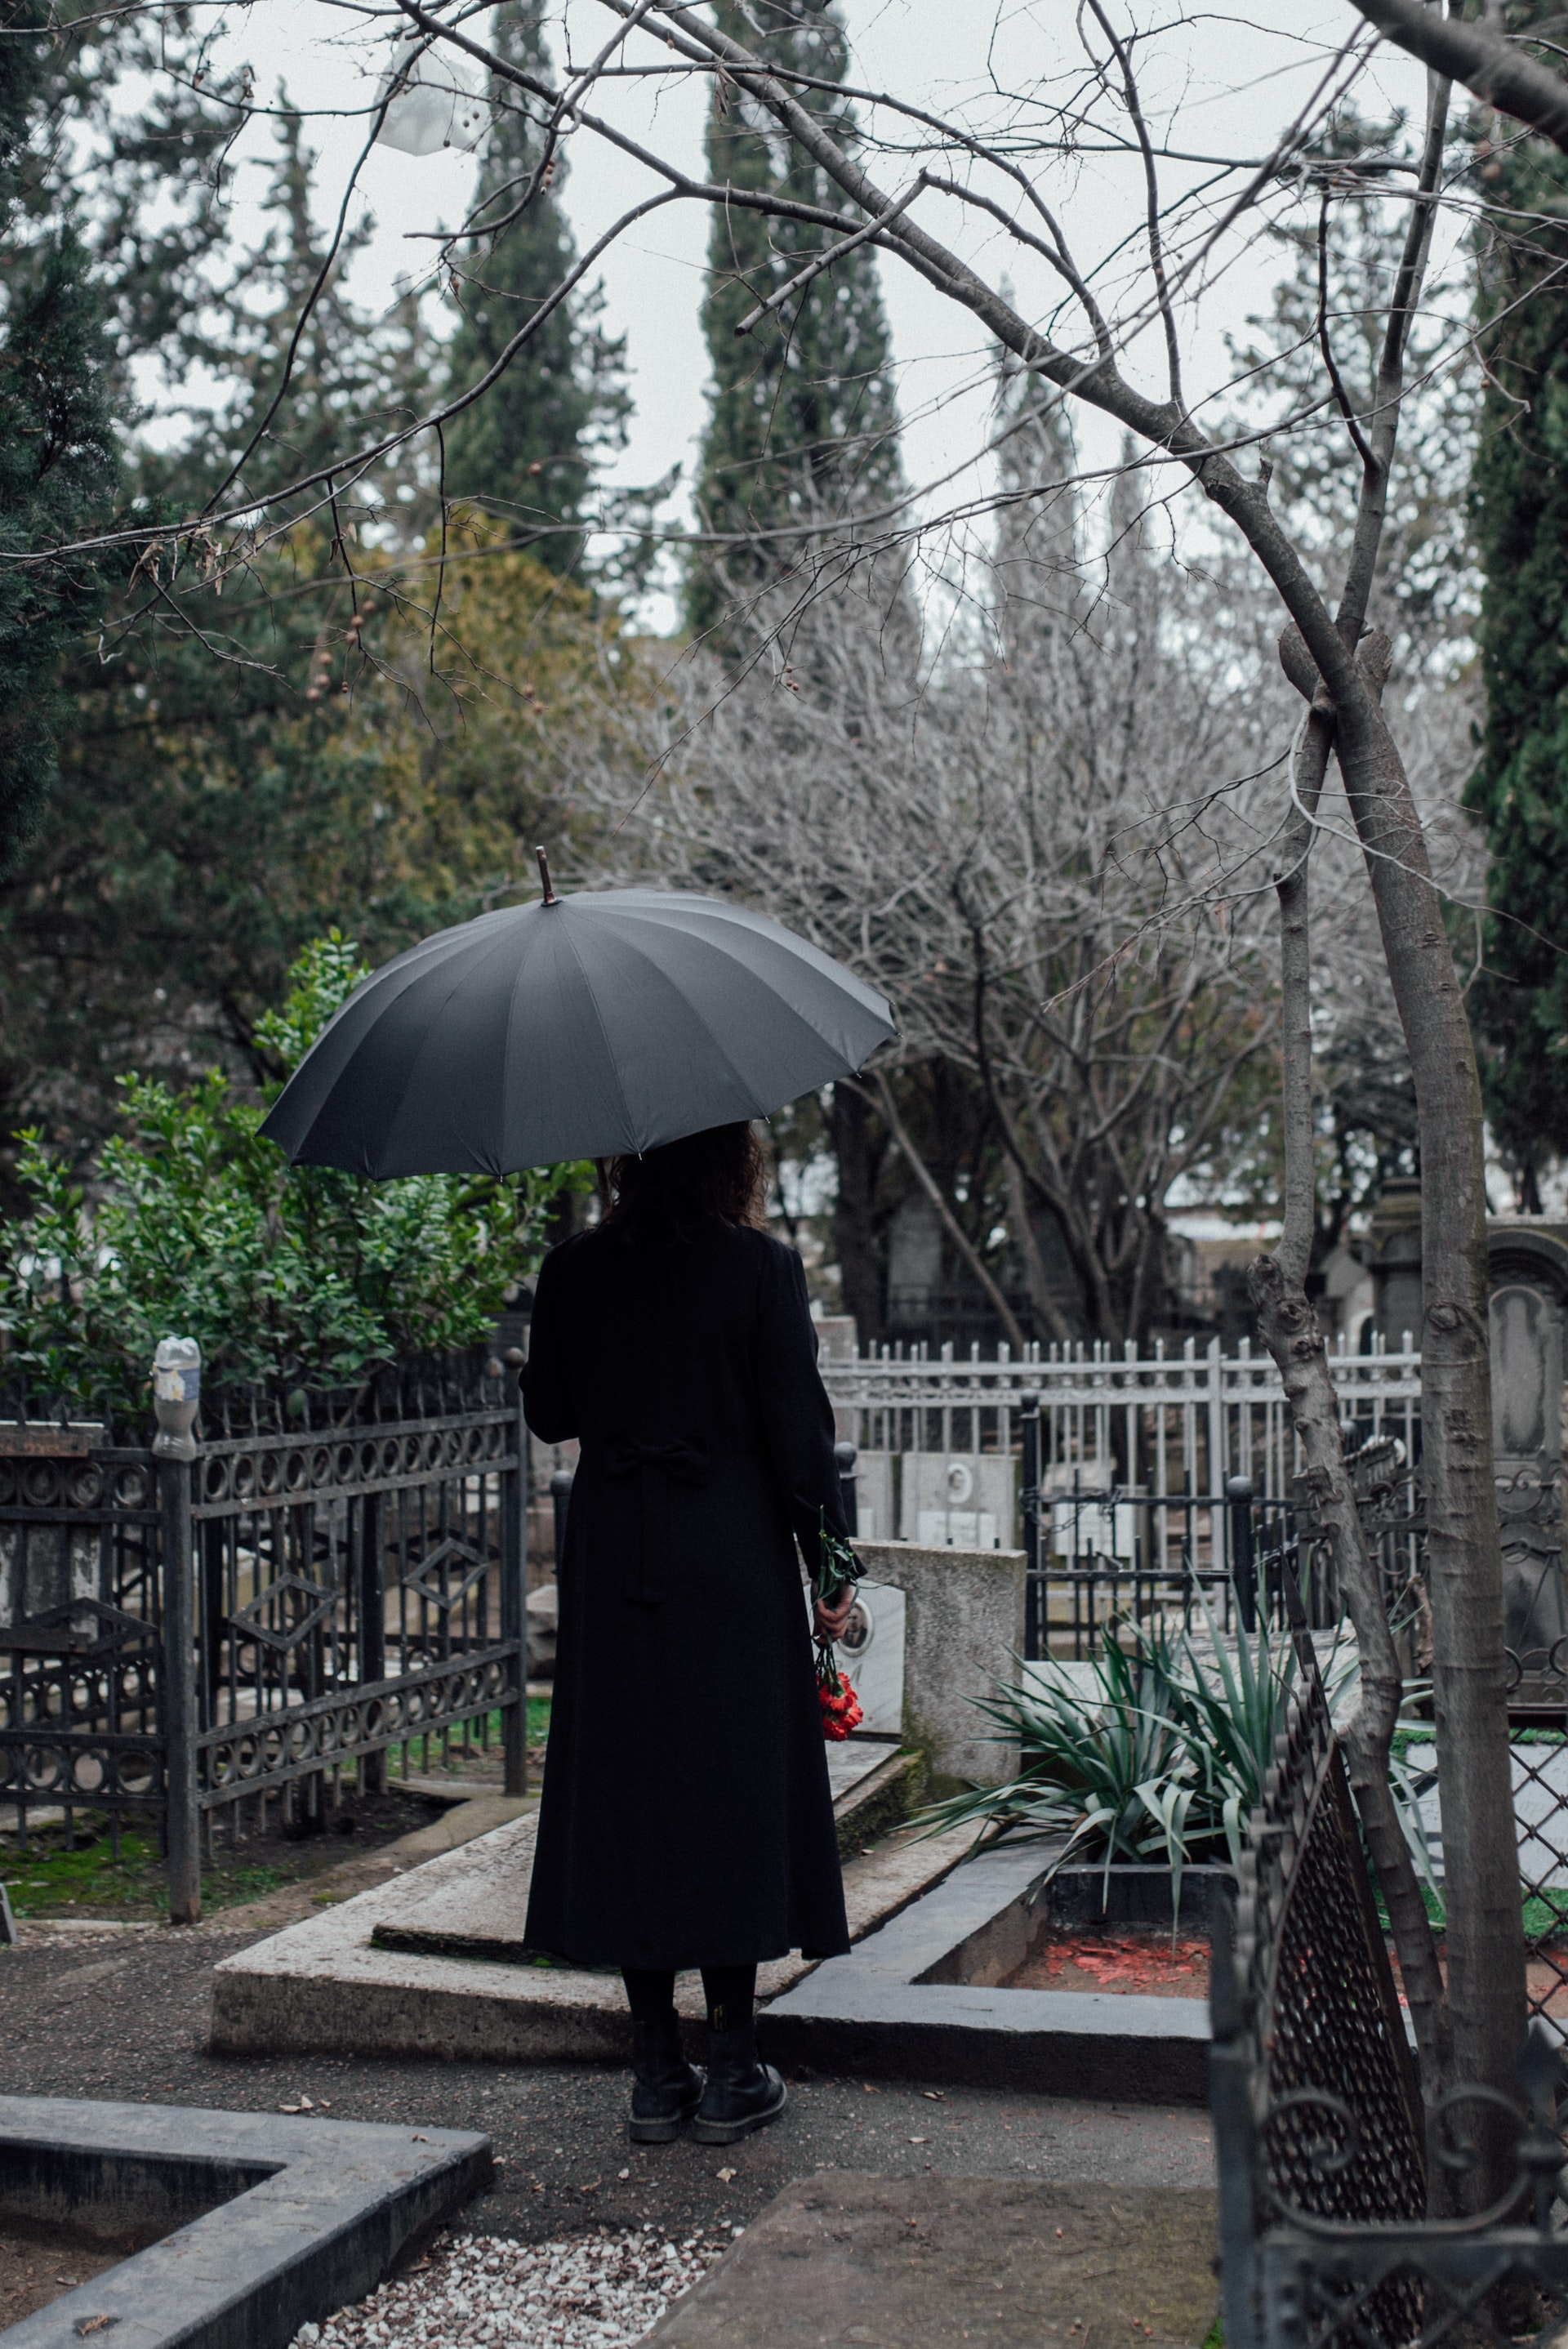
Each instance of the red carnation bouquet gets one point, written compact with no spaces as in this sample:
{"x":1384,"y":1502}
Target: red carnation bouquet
{"x":841,"y":1705}
{"x":838,"y":1569}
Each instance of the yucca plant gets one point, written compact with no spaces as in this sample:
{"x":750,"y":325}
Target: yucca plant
{"x":1154,"y":1753}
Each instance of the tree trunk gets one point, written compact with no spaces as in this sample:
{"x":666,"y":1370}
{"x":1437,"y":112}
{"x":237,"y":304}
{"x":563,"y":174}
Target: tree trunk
{"x":1048,"y":1314}
{"x":950,"y":1224}
{"x":860,"y":1275}
{"x":1487,"y":2004}
{"x":1288,"y":1326}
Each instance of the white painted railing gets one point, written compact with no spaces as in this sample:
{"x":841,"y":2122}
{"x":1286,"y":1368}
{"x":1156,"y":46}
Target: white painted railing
{"x":938,"y":1434}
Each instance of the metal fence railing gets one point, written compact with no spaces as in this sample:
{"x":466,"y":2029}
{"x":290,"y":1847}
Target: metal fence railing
{"x":934,"y":1432}
{"x":1156,"y":1487}
{"x":197,"y":1638}
{"x":1322,"y":2146}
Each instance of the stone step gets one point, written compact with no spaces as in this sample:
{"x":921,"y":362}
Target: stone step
{"x":435,"y":1962}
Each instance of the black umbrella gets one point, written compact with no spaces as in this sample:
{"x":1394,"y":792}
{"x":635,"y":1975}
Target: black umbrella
{"x":573,"y":1028}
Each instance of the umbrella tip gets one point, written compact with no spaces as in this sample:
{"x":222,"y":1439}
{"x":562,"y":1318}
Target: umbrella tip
{"x":549,"y":896}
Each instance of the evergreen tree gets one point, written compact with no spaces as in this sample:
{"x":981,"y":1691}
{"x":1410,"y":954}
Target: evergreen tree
{"x":58,"y":461}
{"x":297,"y":744}
{"x":351,"y":377}
{"x":803,"y":419}
{"x":1519,"y":1001}
{"x":526,"y":448}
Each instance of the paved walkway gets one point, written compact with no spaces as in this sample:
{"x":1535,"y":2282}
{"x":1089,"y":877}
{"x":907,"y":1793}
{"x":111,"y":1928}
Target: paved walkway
{"x":126,"y":2016}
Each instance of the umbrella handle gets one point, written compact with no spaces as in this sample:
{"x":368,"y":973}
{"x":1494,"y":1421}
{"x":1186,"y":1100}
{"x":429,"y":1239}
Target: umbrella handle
{"x":549,"y":896}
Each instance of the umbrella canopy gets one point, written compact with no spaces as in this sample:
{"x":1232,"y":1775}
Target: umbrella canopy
{"x":576,"y":1026}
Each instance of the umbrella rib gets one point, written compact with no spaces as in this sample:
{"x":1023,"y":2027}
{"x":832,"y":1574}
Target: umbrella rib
{"x":641,"y":954}
{"x":612,"y":1062}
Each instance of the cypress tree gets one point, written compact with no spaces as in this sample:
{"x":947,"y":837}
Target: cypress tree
{"x":58,"y":458}
{"x":526,"y":448}
{"x":802,"y":417}
{"x":1520,"y":493}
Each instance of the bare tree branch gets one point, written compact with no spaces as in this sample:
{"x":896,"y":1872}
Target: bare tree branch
{"x":1498,"y":73}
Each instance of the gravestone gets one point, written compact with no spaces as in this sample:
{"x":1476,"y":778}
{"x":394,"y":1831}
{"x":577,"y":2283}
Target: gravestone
{"x":871,"y":1656}
{"x":873,"y":1494}
{"x":1528,"y":1268}
{"x":56,"y":1558}
{"x":963,"y":1634}
{"x":961,"y":1500}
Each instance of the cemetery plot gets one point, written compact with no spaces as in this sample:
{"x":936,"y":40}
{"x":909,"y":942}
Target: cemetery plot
{"x":435,"y":1962}
{"x":40,"y":2263}
{"x":1150,"y":1965}
{"x":202,"y":2228}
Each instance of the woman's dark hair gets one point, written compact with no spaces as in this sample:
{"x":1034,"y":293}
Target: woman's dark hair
{"x":719,"y":1176}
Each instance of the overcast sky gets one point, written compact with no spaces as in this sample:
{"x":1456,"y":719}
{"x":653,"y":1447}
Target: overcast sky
{"x":1231,"y":80}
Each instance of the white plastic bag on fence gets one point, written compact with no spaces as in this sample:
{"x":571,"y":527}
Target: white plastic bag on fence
{"x":441,"y":102}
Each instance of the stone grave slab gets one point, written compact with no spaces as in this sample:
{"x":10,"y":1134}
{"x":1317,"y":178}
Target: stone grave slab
{"x":481,"y":1913}
{"x":930,"y":2262}
{"x":434,"y":1961}
{"x":923,"y":1998}
{"x":254,"y":2225}
{"x":1539,"y":1807}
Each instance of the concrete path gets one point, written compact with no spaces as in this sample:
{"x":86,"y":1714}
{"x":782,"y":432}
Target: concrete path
{"x":127,"y":2017}
{"x":930,"y":2262}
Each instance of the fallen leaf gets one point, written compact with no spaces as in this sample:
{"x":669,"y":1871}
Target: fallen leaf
{"x":725,"y":2175}
{"x":917,"y":2140}
{"x":622,"y":2173}
{"x":305,"y":2105}
{"x":288,"y":2108}
{"x":935,"y":2095}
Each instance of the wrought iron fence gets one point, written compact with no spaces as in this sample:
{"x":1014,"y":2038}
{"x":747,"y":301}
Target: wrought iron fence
{"x":1207,"y":1562}
{"x":1322,"y":2143}
{"x":328,"y":1578}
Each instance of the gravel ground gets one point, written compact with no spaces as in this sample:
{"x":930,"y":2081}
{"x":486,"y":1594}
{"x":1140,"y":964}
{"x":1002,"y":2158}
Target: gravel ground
{"x":598,"y":2291}
{"x":125,"y":2018}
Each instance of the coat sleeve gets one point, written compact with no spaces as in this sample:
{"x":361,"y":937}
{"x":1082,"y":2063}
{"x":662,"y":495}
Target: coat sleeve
{"x":797,"y":1416}
{"x":548,"y":1403}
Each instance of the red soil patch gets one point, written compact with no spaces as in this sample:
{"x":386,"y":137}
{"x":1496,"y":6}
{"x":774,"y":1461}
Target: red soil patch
{"x":1148,"y":1964}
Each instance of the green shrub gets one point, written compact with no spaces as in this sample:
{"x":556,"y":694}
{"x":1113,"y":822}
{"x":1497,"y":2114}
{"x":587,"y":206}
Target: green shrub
{"x":287,"y":1277}
{"x":1154,"y":1754}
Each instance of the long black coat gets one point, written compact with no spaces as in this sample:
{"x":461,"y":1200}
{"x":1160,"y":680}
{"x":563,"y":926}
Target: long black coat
{"x":686,"y":1818}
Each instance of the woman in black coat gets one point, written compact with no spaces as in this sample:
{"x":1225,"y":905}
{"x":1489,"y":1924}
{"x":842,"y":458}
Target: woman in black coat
{"x":686,"y":1818}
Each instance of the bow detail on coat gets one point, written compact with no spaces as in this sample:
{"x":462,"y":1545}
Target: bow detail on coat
{"x":655,"y":1466}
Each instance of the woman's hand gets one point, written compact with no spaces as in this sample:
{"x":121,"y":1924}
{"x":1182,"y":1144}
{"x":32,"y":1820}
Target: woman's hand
{"x":830,"y":1621}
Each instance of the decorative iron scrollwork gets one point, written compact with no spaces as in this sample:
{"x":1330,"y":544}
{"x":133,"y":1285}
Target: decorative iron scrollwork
{"x":437,"y":1586}
{"x":315,"y":1604}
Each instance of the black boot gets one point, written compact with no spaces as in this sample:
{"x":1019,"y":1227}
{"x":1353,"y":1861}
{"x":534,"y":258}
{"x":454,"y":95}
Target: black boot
{"x":666,"y":2087}
{"x":741,"y":2095}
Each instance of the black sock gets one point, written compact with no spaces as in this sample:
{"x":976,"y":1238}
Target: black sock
{"x":649,"y":1995}
{"x":730,"y":1992}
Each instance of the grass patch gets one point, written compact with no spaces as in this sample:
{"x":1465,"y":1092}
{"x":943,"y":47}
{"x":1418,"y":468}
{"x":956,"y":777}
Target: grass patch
{"x":93,"y":1881}
{"x":1545,"y":1915}
{"x":47,"y":1880}
{"x":482,"y":1754}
